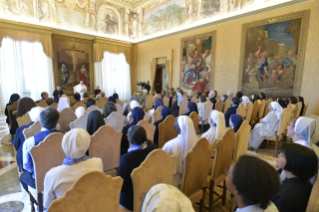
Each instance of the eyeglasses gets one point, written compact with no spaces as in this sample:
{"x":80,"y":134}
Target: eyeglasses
{"x":226,"y":171}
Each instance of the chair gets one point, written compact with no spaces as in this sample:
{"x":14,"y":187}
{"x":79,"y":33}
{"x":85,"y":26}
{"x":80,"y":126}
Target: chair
{"x":165,"y":101}
{"x":92,"y":108}
{"x":100,"y":104}
{"x":158,"y":167}
{"x":194,"y":99}
{"x":227,"y":104}
{"x":106,"y":144}
{"x":194,"y":178}
{"x":71,"y":98}
{"x":24,"y":120}
{"x":298,"y":109}
{"x":46,"y":155}
{"x":67,"y":115}
{"x":78,"y":104}
{"x":241,"y":110}
{"x":253,"y":120}
{"x":266,"y":110}
{"x":305,"y":109}
{"x":119,"y":102}
{"x":32,"y":130}
{"x":242,"y":140}
{"x":85,"y":100}
{"x":156,"y":116}
{"x":289,"y":112}
{"x":42,"y":103}
{"x":219,"y":105}
{"x":80,"y":123}
{"x":249,"y":112}
{"x":93,"y":192}
{"x":119,"y":109}
{"x":105,"y":99}
{"x":224,"y":149}
{"x":195,"y":118}
{"x":54,"y":105}
{"x":149,"y":128}
{"x":208,"y":107}
{"x":115,"y":120}
{"x":166,"y":131}
{"x":148,"y":102}
{"x":313,"y":203}
{"x":261,"y":109}
{"x":10,"y":108}
{"x":183,"y":106}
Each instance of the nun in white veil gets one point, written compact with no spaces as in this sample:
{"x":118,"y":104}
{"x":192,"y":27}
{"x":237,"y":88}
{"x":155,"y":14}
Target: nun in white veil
{"x":80,"y":111}
{"x":217,"y":126}
{"x":180,"y":145}
{"x":64,"y":102}
{"x":245,"y":100}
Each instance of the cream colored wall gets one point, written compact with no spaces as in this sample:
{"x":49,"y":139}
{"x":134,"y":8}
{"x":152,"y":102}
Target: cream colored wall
{"x":228,"y":52}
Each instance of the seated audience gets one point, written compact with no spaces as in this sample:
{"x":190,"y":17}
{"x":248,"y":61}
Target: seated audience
{"x":64,"y":102}
{"x":267,"y":126}
{"x":224,"y":98}
{"x":163,"y":93}
{"x":111,"y":99}
{"x":44,"y":96}
{"x":245,"y":100}
{"x":254,"y":97}
{"x":158,"y":103}
{"x":192,"y":107}
{"x":90,"y":102}
{"x":76,"y":164}
{"x":98,"y":97}
{"x":239,"y":94}
{"x":57,"y":94}
{"x":201,"y":106}
{"x":139,"y":148}
{"x":108,"y":108}
{"x":293,"y":104}
{"x":281,"y":102}
{"x":262,"y":96}
{"x":230,"y":94}
{"x":137,"y":115}
{"x":80,"y":111}
{"x":115,"y":96}
{"x":217,"y":126}
{"x":253,"y":182}
{"x":180,"y":145}
{"x":189,"y":95}
{"x":77,"y":98}
{"x":212,"y":97}
{"x":164,"y":112}
{"x":161,"y":196}
{"x":133,"y":104}
{"x":49,"y":101}
{"x":300,"y":99}
{"x":13,"y":98}
{"x":94,"y":122}
{"x":231,"y":110}
{"x":300,"y":164}
{"x":171,"y":96}
{"x":142,"y":98}
{"x":235,"y":122}
{"x":97,"y":90}
{"x":49,"y":118}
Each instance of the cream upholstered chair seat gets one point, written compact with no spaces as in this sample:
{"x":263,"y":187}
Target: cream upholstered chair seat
{"x":78,"y":104}
{"x":219,"y":105}
{"x":183,"y":106}
{"x":242,"y":140}
{"x":149,"y":128}
{"x":67,"y":115}
{"x":80,"y":123}
{"x":100,"y":104}
{"x":115,"y":120}
{"x":156,"y":116}
{"x":249,"y":112}
{"x":92,"y":108}
{"x":54,"y":105}
{"x":241,"y":110}
{"x":148,"y":102}
{"x":42,"y":103}
{"x":166,"y":101}
{"x":24,"y":120}
{"x":195,"y":119}
{"x":166,"y":131}
{"x":32,"y":130}
{"x":227,"y":104}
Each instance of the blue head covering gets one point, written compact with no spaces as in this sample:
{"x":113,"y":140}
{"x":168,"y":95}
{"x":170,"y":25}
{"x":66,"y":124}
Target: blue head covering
{"x":115,"y":96}
{"x":137,"y":115}
{"x":237,"y":120}
{"x":179,"y":98}
{"x":192,"y":106}
{"x":158,"y":102}
{"x":165,"y":112}
{"x":111,"y":99}
{"x":164,"y":92}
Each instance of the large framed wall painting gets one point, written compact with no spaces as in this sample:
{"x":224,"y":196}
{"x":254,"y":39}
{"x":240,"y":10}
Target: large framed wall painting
{"x":272,"y":55}
{"x":197,"y":62}
{"x":72,"y":63}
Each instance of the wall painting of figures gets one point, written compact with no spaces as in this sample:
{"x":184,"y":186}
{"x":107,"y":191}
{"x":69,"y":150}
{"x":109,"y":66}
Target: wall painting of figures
{"x":197,"y":62}
{"x":72,"y":63}
{"x":272,"y":55}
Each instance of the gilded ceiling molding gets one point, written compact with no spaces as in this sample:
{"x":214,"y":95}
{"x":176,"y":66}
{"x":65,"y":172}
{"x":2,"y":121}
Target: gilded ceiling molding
{"x":112,"y":42}
{"x":14,"y":25}
{"x":72,"y":34}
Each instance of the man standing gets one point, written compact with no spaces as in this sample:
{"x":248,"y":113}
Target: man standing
{"x":147,"y":87}
{"x":57,"y":93}
{"x":81,"y":89}
{"x":97,"y":90}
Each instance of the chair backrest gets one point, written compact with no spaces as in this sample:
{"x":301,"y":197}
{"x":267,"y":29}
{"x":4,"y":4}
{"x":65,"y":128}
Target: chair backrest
{"x":105,"y":99}
{"x":208,"y":107}
{"x":219,"y":105}
{"x":10,"y":108}
{"x":78,"y":104}
{"x":224,"y":149}
{"x":283,"y":121}
{"x":46,"y":155}
{"x":94,"y":191}
{"x":313,"y":203}
{"x":159,"y":109}
{"x":100,"y":104}
{"x":80,"y":123}
{"x":305,"y":109}
{"x":195,"y":118}
{"x":32,"y":130}
{"x":227,"y":104}
{"x":166,"y":131}
{"x":156,"y":116}
{"x":54,"y":105}
{"x":158,"y":167}
{"x":148,"y":102}
{"x":266,"y":110}
{"x":115,"y":120}
{"x":196,"y":160}
{"x":242,"y":140}
{"x":92,"y":108}
{"x":149,"y":128}
{"x":241,"y":110}
{"x":289,"y":112}
{"x":106,"y":144}
{"x":67,"y":115}
{"x":298,"y":109}
{"x":249,"y":112}
{"x":255,"y":111}
{"x":85,"y":99}
{"x":261,"y":109}
{"x":42,"y":103}
{"x":119,"y":102}
{"x":165,"y":101}
{"x":119,"y":109}
{"x":183,"y":106}
{"x":71,"y":98}
{"x":194,"y":99}
{"x":24,"y":120}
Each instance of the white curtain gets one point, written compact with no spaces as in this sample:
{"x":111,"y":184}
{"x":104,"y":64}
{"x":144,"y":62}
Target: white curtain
{"x":113,"y":75}
{"x":25,"y":70}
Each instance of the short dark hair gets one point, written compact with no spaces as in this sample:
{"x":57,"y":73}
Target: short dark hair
{"x":239,"y":94}
{"x":49,"y":117}
{"x":137,"y":134}
{"x":77,"y":96}
{"x":256,"y":180}
{"x":108,"y":108}
{"x":49,"y":101}
{"x":203,"y":98}
{"x":263,"y":95}
{"x":90,"y":102}
{"x":25,"y":105}
{"x":301,"y":161}
{"x":225,"y":96}
{"x":293,"y":99}
{"x":44,"y":94}
{"x":176,"y":127}
{"x":157,"y":91}
{"x":235,"y":101}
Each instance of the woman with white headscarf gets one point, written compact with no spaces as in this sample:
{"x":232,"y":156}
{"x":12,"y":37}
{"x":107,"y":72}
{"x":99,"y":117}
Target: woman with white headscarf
{"x":76,"y":164}
{"x":64,"y":102}
{"x":267,"y":126}
{"x":80,"y":111}
{"x":180,"y":145}
{"x":166,"y":198}
{"x":245,"y":100}
{"x":133,"y":104}
{"x":217,"y":126}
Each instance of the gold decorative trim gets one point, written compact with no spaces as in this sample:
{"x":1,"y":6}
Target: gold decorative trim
{"x":112,"y":42}
{"x":24,"y":27}
{"x":72,"y":34}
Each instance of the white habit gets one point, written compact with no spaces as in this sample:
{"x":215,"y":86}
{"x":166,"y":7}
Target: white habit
{"x":81,"y":89}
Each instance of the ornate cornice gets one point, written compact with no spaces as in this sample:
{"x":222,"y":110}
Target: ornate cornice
{"x":112,"y":42}
{"x":24,"y":27}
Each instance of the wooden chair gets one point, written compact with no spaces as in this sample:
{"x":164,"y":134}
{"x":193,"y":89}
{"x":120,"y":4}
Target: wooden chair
{"x":149,"y":128}
{"x":156,"y":116}
{"x":183,"y":106}
{"x":85,"y":100}
{"x":208,"y":107}
{"x":43,"y":103}
{"x":10,"y":108}
{"x":305,"y":109}
{"x":158,"y":167}
{"x":148,"y":102}
{"x":78,"y":104}
{"x":166,"y":131}
{"x":241,"y":110}
{"x":195,"y":118}
{"x":24,"y":120}
{"x":80,"y":123}
{"x":115,"y":120}
{"x":289,"y":112}
{"x":227,"y":104}
{"x":266,"y":110}
{"x":105,"y":99}
{"x":100,"y":104}
{"x":32,"y":130}
{"x":119,"y":102}
{"x":67,"y":115}
{"x":298,"y":109}
{"x":219,"y":105}
{"x":241,"y":144}
{"x":92,"y":108}
{"x":194,"y":99}
{"x":313,"y":203}
{"x":261,"y":109}
{"x":253,"y":120}
{"x":106,"y":144}
{"x":224,"y":149}
{"x":119,"y":109}
{"x":71,"y":98}
{"x":194,"y":178}
{"x":165,"y":101}
{"x":249,"y":112}
{"x":46,"y":155}
{"x":93,"y":192}
{"x":54,"y":105}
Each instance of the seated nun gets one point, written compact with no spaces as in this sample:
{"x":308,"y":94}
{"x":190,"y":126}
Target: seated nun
{"x":76,"y":164}
{"x":94,"y":122}
{"x":231,"y":110}
{"x":192,"y":107}
{"x":77,"y":98}
{"x":64,"y":102}
{"x":245,"y":100}
{"x":180,"y":145}
{"x":133,"y":104}
{"x":266,"y":127}
{"x":164,"y":197}
{"x":300,"y":164}
{"x":108,"y":108}
{"x":164,"y":112}
{"x":139,"y":148}
{"x":80,"y":111}
{"x":158,"y":103}
{"x":217,"y":126}
{"x":235,"y":122}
